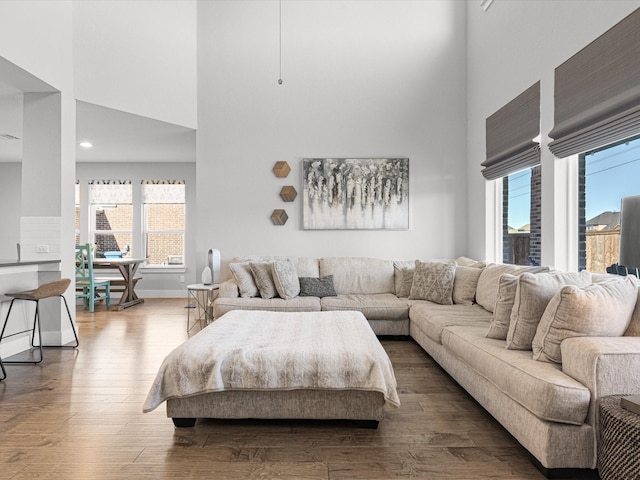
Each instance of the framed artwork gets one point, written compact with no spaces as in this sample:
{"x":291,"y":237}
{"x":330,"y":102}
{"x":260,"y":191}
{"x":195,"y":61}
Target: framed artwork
{"x":355,"y":193}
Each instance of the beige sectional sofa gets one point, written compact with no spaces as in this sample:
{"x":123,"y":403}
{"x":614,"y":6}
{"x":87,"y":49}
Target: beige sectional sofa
{"x":551,"y":408}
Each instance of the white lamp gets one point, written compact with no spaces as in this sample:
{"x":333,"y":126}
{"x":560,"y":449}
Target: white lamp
{"x":630,"y":232}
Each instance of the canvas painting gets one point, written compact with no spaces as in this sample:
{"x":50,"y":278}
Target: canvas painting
{"x":355,"y":193}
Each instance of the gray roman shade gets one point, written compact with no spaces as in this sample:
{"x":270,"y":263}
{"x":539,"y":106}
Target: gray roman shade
{"x":597,"y":92}
{"x":510,"y":135}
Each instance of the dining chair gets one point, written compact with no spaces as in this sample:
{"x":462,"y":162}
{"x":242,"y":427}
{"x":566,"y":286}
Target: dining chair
{"x":87,"y":287}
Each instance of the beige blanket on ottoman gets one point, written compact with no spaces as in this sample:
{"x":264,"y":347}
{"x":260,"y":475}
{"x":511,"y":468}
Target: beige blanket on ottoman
{"x":259,"y":350}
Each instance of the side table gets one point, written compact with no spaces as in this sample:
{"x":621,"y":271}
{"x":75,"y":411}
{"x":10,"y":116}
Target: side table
{"x":203,"y":296}
{"x":619,"y":446}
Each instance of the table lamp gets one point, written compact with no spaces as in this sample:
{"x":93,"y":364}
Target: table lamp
{"x":630,"y":233}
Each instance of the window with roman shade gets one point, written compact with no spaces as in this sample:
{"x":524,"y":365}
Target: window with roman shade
{"x":511,"y":134}
{"x":597,"y":92}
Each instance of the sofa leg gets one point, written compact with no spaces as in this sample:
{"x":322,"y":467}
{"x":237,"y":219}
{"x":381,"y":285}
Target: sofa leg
{"x":372,"y":424}
{"x":585,"y":473}
{"x":184,"y":422}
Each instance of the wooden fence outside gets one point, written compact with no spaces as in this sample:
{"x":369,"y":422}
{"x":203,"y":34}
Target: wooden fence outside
{"x":602,"y":249}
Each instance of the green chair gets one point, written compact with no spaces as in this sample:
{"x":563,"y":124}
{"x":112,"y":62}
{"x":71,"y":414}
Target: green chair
{"x":87,"y":288}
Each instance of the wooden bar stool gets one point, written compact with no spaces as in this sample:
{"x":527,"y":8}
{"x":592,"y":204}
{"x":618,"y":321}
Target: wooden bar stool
{"x":46,"y":290}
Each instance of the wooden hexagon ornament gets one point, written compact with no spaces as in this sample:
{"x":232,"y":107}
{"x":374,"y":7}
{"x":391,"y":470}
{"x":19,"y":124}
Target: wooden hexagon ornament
{"x":279,"y":217}
{"x":288,"y":193}
{"x":281,"y":169}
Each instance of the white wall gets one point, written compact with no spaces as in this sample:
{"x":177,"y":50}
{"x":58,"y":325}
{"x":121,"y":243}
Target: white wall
{"x":138,"y":57}
{"x":511,"y":46}
{"x":361,"y":79}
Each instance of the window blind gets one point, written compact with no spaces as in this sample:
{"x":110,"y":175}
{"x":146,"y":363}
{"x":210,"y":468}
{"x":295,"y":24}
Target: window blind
{"x":510,"y":134}
{"x":597,"y":92}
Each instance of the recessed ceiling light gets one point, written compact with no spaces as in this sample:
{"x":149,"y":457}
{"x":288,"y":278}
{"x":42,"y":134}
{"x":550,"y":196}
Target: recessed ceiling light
{"x":86,"y":144}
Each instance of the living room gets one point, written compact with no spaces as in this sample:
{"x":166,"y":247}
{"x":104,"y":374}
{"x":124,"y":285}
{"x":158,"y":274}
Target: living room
{"x":359,"y":79}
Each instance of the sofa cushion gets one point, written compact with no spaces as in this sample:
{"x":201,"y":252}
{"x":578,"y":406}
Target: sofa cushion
{"x":533,"y":294}
{"x":381,"y":306}
{"x":499,"y":327}
{"x":432,"y":318}
{"x":317,"y":287}
{"x":487,"y":290}
{"x":222,"y":305}
{"x":263,"y":278}
{"x":433,"y":281}
{"x":598,"y":310}
{"x":465,"y":284}
{"x":242,"y":275}
{"x":285,"y":278}
{"x":358,"y":275}
{"x":541,"y":388}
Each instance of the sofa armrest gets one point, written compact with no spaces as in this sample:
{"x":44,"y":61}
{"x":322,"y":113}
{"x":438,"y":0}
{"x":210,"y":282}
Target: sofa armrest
{"x":228,"y":288}
{"x":605,"y":365}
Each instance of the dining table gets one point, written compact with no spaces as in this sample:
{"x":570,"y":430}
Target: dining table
{"x":127,"y":268}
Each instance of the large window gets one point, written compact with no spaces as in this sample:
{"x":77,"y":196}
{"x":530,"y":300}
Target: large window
{"x":164,"y":221}
{"x":521,"y":217}
{"x":607,"y":175}
{"x":111,"y":210}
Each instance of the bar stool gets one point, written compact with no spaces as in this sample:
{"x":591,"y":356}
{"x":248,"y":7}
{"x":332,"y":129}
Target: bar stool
{"x":46,"y":290}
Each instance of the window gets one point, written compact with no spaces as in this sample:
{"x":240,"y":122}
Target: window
{"x":164,"y":221}
{"x":606,"y":176}
{"x":521,"y":225}
{"x":111,"y":211}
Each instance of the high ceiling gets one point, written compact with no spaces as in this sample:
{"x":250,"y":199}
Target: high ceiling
{"x":116,"y":136}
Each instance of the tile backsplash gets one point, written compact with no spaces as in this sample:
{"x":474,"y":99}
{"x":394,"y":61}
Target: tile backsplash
{"x":40,"y":238}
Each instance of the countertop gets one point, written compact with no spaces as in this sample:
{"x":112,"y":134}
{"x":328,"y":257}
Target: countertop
{"x":16,"y":263}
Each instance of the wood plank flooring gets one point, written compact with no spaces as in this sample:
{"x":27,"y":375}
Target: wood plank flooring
{"x":78,"y":415}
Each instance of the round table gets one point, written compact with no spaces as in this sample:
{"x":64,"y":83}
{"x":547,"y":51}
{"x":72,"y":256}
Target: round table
{"x":203,"y":296}
{"x":619,"y":447}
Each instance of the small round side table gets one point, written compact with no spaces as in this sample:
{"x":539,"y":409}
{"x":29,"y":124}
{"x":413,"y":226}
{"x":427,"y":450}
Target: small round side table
{"x":203,"y":297}
{"x":619,"y":447}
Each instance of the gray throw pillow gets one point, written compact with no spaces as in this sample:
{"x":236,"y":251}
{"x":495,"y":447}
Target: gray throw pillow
{"x":433,"y":281}
{"x":263,"y":278}
{"x":285,"y":277}
{"x":242,"y":275}
{"x":317,"y":287}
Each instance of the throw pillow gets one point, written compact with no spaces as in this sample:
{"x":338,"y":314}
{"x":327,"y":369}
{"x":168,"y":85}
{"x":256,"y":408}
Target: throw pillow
{"x":433,"y":281}
{"x":285,"y":277}
{"x":407,"y":281}
{"x":317,"y":287}
{"x":634,"y":326}
{"x":533,"y":294}
{"x":499,"y":325}
{"x":469,"y":262}
{"x":487,"y":290}
{"x":398,"y":268}
{"x":465,"y":283}
{"x":242,"y":275}
{"x":263,"y":278}
{"x":598,"y":310}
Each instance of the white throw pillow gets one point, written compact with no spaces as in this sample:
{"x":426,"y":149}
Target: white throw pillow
{"x":285,"y":277}
{"x":433,"y":281}
{"x":465,"y":283}
{"x":598,"y":310}
{"x":499,"y":326}
{"x":241,"y":273}
{"x":263,"y":278}
{"x":487,"y":290}
{"x":533,"y":294}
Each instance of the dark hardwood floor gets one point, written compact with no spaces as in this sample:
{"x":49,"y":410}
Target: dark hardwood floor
{"x":78,"y":415}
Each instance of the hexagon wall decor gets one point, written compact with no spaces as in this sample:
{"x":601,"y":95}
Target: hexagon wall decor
{"x":288,"y":193}
{"x":281,"y":169}
{"x":279,"y":217}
